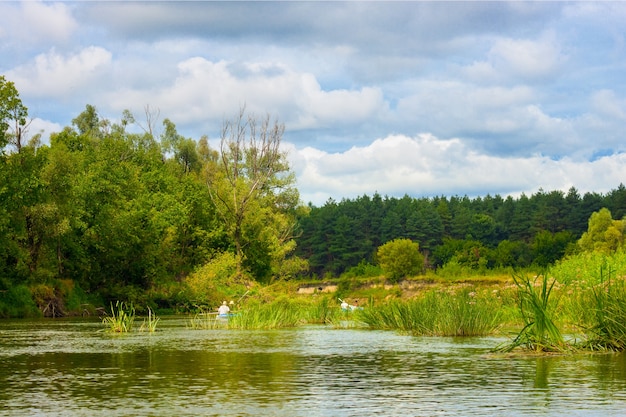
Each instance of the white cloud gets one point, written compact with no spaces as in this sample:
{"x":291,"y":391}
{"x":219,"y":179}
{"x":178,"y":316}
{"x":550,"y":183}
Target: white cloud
{"x":204,"y":90}
{"x":36,"y":22}
{"x":528,"y":59}
{"x":608,"y":104}
{"x":425,"y":165}
{"x":54,"y":75}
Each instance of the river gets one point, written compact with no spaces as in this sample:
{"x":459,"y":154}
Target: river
{"x":71,"y":367}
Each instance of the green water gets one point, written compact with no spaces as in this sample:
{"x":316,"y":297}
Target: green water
{"x":73,"y":368}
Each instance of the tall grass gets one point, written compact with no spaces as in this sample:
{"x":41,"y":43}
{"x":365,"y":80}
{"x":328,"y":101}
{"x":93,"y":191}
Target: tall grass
{"x":609,"y":329}
{"x":278,"y":314}
{"x":121,"y":319}
{"x":321,"y":311}
{"x":206,"y":321}
{"x":584,"y":267}
{"x":437,"y":313}
{"x":537,"y":309}
{"x":149,"y":323}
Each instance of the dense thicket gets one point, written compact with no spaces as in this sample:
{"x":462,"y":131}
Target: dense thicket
{"x":115,"y":213}
{"x":481,"y":232}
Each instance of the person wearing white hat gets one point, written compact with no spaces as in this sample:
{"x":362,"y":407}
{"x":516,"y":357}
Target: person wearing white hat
{"x":223,"y":310}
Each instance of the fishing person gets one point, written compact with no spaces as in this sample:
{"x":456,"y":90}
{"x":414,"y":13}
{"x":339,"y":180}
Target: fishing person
{"x":223,"y":310}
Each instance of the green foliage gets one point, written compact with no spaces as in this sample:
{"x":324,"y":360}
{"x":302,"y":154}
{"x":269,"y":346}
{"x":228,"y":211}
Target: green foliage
{"x":583,"y":267}
{"x":548,"y":248}
{"x":482,"y":233}
{"x":253,"y":192}
{"x":216,"y":280}
{"x":453,"y":269}
{"x":608,"y":331}
{"x":537,"y":309}
{"x":13,"y":115}
{"x":121,"y":319}
{"x":603,"y":234}
{"x":400,"y":258}
{"x":437,"y":313}
{"x":363,"y":270}
{"x":149,"y":323}
{"x":278,"y":314}
{"x":17,"y":301}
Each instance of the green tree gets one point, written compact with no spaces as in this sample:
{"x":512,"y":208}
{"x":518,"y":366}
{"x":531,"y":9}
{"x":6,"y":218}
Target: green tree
{"x":184,"y":149}
{"x":400,"y":258}
{"x":88,"y":122}
{"x":548,"y":247}
{"x":253,"y":191}
{"x":13,"y":115}
{"x":512,"y":254}
{"x":603,"y":234}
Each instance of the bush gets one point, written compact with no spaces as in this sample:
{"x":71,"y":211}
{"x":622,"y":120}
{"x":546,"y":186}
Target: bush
{"x":363,"y":269}
{"x":216,"y":281}
{"x":18,"y":301}
{"x":400,"y":258}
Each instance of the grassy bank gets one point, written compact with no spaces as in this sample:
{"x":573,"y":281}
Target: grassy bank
{"x":572,"y":306}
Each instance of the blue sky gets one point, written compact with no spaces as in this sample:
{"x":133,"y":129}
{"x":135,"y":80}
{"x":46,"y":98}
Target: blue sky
{"x":417,"y":98}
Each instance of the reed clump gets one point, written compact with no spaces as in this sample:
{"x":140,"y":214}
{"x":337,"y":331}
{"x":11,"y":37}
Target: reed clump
{"x":464,"y":312}
{"x":537,"y":308}
{"x":608,"y":331}
{"x":121,"y":319}
{"x":278,"y":314}
{"x":150,"y":323}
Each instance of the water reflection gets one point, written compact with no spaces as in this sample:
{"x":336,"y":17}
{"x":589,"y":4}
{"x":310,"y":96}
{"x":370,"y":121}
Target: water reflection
{"x":71,"y":368}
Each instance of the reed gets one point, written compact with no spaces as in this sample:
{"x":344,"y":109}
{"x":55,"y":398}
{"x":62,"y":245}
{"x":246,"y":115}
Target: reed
{"x":121,"y":319}
{"x":206,"y":321}
{"x":436,"y":313}
{"x":278,"y":314}
{"x":609,"y":330}
{"x":149,"y":323}
{"x":537,"y":309}
{"x":321,"y":311}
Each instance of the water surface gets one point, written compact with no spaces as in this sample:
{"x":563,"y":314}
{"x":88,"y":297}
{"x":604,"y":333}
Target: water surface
{"x":73,"y":368}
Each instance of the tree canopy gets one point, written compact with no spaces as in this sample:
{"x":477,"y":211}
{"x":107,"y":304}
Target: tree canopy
{"x":120,"y":214}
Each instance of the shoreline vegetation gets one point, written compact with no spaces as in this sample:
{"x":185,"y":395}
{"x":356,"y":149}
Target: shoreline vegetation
{"x":579,"y":305}
{"x":161,"y":223}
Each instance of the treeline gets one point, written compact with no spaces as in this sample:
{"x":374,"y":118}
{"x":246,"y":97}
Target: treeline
{"x":104,"y":212}
{"x":476,"y":233}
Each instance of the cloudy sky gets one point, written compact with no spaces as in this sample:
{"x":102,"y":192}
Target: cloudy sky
{"x":417,"y":98}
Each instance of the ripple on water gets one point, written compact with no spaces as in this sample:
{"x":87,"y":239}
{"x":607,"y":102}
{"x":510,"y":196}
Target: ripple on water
{"x":72,"y":368}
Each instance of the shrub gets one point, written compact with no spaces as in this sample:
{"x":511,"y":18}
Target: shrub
{"x":400,"y":258}
{"x":17,"y":301}
{"x":215,"y":281}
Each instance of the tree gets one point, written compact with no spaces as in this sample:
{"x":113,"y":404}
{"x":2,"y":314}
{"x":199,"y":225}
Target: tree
{"x":88,"y":122}
{"x":184,"y":149}
{"x":548,"y":247}
{"x":400,"y":258}
{"x":604,"y":234}
{"x":253,"y":192}
{"x":13,"y":115}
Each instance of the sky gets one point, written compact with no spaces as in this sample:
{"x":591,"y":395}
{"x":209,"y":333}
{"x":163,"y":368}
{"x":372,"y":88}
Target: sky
{"x":397,"y":98}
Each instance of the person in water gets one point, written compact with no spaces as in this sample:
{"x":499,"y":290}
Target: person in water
{"x":223,"y":310}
